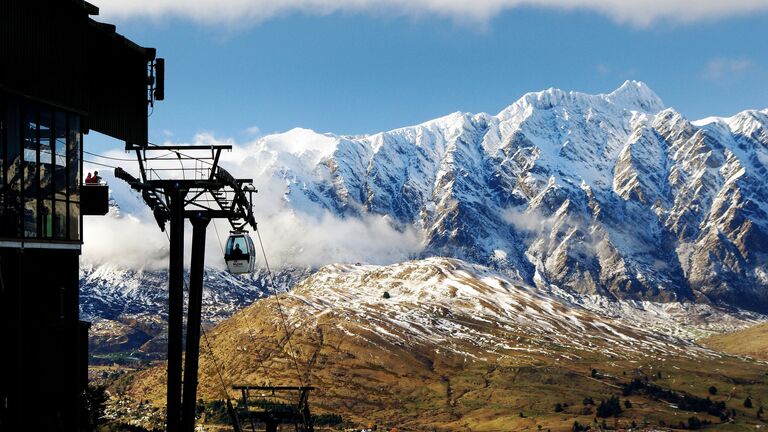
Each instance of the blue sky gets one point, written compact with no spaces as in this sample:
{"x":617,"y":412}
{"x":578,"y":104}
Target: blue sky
{"x":355,"y":72}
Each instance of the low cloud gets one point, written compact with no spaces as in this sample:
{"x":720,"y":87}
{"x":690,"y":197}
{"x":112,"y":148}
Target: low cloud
{"x":725,"y":68}
{"x":528,"y":221}
{"x":295,"y":231}
{"x":304,"y":240}
{"x":124,"y":242}
{"x":603,"y":69}
{"x":635,"y":12}
{"x":253,"y":131}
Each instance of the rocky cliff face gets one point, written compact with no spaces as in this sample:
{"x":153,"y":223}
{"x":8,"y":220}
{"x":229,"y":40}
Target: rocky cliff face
{"x":609,"y":194}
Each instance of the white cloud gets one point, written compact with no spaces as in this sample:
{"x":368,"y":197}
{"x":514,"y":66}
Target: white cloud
{"x":635,"y":12}
{"x":603,"y":69}
{"x":305,"y":240}
{"x":125,"y":242}
{"x":719,"y":68}
{"x":295,"y":231}
{"x":127,"y":237}
{"x":527,"y":221}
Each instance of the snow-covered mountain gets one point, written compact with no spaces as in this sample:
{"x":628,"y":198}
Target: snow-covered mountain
{"x":128,"y":308}
{"x":565,"y":246}
{"x":609,"y":194}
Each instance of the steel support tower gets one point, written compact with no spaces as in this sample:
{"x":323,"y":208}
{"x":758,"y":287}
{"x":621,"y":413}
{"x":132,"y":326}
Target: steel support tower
{"x":175,"y":194}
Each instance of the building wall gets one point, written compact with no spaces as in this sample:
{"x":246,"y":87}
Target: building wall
{"x":61,"y":74}
{"x":43,"y":369}
{"x":52,"y":51}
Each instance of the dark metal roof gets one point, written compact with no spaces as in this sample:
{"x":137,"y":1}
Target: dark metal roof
{"x":53,"y":52}
{"x":87,"y":7}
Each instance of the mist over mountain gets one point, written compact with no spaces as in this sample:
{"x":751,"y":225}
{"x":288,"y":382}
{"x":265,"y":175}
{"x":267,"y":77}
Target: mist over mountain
{"x":612,"y":195}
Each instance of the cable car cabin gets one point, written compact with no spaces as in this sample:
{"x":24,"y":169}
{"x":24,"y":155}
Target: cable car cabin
{"x":240,"y":253}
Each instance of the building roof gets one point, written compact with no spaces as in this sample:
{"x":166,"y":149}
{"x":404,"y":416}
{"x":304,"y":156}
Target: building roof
{"x":59,"y":55}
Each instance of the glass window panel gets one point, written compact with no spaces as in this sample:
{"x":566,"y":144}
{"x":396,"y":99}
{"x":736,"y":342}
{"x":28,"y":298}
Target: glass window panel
{"x":74,"y":221}
{"x":46,"y":218}
{"x":44,"y":127}
{"x":60,"y":156}
{"x":45,"y":165}
{"x":30,"y":218}
{"x":60,"y":220}
{"x":3,"y":127}
{"x":30,"y":152}
{"x":30,"y":181}
{"x":237,"y":248}
{"x":11,"y":228}
{"x":73,"y":157}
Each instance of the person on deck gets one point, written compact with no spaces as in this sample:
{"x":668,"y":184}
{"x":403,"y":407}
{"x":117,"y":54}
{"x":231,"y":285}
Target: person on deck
{"x":89,"y":179}
{"x":96,"y":179}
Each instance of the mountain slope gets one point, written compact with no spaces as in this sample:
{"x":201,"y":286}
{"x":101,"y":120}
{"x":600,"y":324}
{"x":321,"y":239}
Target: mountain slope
{"x":752,"y":342}
{"x":129,"y":309}
{"x":610,"y":194}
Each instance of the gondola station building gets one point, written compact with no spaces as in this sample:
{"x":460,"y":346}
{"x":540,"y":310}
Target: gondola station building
{"x":62,"y":74}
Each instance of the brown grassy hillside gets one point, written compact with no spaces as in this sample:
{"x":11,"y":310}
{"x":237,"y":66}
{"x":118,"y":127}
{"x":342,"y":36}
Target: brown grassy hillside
{"x":752,"y":342}
{"x":456,"y":347}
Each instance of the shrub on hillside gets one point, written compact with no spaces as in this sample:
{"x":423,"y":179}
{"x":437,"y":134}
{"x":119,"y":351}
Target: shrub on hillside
{"x":609,"y":408}
{"x":685,"y":402}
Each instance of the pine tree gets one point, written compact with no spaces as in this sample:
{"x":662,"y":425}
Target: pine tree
{"x":694,"y":423}
{"x":609,"y":408}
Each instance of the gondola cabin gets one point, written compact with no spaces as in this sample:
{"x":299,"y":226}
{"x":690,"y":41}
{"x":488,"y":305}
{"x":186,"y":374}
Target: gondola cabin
{"x":240,"y":254}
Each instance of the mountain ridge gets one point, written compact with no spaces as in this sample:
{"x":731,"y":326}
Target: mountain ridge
{"x":610,"y":195}
{"x":583,"y":165}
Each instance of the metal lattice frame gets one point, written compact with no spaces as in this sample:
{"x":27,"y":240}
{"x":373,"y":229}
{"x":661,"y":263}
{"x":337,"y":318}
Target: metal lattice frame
{"x":210,"y":192}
